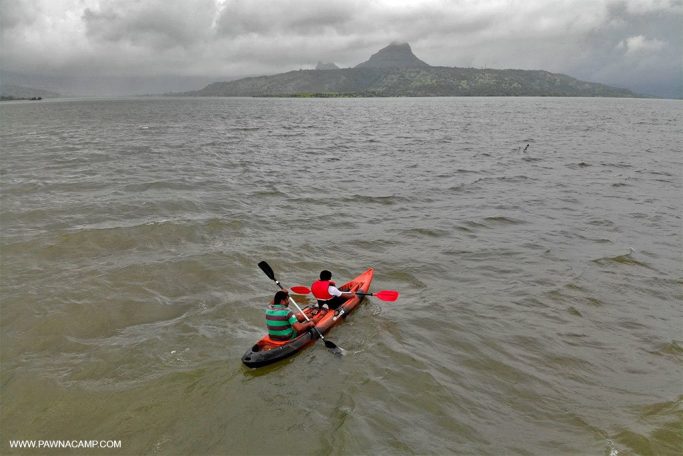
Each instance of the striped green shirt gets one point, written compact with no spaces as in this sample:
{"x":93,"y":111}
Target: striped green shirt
{"x":279,"y":320}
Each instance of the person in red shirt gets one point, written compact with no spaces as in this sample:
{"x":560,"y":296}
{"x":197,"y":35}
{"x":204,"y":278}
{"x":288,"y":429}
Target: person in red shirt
{"x":326,"y":292}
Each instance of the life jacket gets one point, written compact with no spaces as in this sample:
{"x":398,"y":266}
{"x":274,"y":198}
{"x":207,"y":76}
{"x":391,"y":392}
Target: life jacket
{"x":279,"y":322}
{"x":320,"y":289}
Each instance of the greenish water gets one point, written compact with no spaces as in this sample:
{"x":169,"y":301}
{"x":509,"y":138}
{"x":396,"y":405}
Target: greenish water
{"x":540,"y":308}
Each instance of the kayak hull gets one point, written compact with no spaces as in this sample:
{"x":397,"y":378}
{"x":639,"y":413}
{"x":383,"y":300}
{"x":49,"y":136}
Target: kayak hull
{"x":267,"y":351}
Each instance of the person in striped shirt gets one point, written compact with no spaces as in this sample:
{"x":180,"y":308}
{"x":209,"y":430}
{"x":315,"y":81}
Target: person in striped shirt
{"x":282,"y":323}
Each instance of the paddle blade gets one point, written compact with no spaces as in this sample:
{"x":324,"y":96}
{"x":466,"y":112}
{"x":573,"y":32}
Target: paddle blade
{"x":300,"y":290}
{"x":334,"y":348}
{"x":267,"y":270}
{"x":386,"y":295}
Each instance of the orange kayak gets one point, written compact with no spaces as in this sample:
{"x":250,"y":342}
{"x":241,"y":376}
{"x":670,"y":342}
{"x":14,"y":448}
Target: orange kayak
{"x":267,"y":351}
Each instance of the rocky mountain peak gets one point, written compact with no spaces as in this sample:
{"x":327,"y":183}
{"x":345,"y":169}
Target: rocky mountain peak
{"x":396,"y":55}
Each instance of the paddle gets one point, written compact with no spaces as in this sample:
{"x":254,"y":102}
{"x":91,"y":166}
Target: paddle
{"x":384,"y":295}
{"x":265,"y":267}
{"x":300,"y":290}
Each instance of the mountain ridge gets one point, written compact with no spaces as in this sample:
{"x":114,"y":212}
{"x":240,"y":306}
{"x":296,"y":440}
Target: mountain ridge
{"x":395,"y":71}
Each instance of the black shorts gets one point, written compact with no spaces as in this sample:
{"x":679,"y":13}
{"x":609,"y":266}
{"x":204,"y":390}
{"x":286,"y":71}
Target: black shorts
{"x":333,"y":303}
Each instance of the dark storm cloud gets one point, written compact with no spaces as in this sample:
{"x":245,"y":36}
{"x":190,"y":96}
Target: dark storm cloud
{"x":630,"y":43}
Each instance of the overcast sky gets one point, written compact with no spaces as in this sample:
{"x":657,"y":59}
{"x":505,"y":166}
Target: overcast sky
{"x":637,"y":44}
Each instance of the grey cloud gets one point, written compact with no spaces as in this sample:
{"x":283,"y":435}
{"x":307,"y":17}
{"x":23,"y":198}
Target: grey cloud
{"x":14,"y":14}
{"x":159,"y":25}
{"x":656,"y":70}
{"x":243,"y":17}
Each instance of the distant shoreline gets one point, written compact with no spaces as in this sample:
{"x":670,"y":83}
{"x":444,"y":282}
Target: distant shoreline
{"x":323,"y":95}
{"x":8,"y":98}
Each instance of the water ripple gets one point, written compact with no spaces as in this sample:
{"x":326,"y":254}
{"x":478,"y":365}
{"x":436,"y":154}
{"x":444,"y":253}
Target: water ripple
{"x":540,"y":286}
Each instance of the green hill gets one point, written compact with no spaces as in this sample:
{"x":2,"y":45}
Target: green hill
{"x":395,"y":72}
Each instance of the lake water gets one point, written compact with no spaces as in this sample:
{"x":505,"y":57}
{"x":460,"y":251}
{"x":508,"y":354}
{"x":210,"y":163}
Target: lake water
{"x":541,"y":287}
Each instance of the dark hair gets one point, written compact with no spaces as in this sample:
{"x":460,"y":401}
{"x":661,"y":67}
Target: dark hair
{"x":325,"y":275}
{"x":279,"y":296}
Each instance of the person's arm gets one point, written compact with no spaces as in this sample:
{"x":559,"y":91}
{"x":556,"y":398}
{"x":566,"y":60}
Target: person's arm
{"x":299,"y":327}
{"x":300,"y":317}
{"x":334,"y":291}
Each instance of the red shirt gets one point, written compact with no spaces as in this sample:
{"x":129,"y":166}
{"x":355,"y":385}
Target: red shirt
{"x":320,"y":289}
